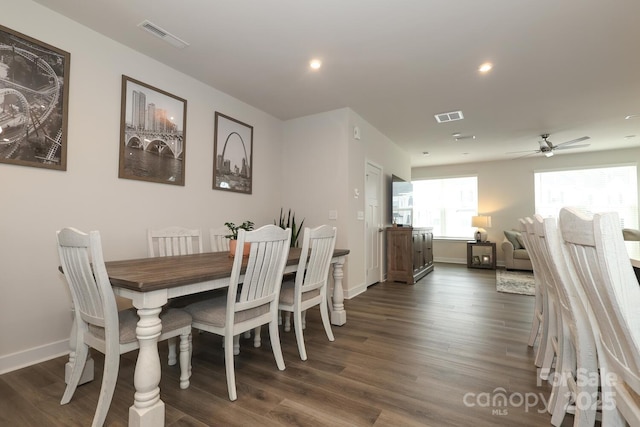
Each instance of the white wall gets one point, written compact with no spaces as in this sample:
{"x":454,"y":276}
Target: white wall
{"x":374,"y":147}
{"x":506,"y":190}
{"x":34,"y":314}
{"x":327,"y":165}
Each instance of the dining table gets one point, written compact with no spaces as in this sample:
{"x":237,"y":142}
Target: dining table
{"x":151,"y":282}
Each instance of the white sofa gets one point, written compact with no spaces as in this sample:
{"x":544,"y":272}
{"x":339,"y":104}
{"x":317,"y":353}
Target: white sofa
{"x":516,"y":256}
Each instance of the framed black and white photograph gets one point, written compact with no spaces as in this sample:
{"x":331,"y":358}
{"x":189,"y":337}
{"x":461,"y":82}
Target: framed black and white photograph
{"x":152,"y":134}
{"x":34,"y":98}
{"x":475,"y":260}
{"x":486,"y":260}
{"x":232,"y":155}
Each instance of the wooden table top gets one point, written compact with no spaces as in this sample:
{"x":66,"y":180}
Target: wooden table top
{"x":148,"y":274}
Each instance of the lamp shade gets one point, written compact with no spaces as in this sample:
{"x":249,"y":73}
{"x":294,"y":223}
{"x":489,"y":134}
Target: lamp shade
{"x":482,"y":221}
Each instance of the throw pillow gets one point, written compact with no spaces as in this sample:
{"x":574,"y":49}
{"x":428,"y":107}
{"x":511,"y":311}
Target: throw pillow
{"x":512,"y":236}
{"x":521,"y":240}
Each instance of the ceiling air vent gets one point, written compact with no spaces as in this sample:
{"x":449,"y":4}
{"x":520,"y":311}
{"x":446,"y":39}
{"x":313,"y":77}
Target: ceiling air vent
{"x":449,"y":117}
{"x":164,"y":35}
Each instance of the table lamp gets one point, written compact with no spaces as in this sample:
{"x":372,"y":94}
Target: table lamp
{"x":481,"y":222}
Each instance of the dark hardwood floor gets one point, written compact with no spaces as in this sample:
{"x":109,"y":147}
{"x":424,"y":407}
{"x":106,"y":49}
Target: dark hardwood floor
{"x":437,"y":353}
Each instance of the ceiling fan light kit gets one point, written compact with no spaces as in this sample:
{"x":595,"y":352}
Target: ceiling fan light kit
{"x":463,"y":137}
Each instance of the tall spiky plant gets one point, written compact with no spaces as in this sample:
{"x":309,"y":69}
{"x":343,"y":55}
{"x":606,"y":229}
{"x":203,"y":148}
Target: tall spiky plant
{"x":290,"y":223}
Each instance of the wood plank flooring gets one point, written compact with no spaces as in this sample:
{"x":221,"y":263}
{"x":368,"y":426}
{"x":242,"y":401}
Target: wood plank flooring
{"x":436,"y":353}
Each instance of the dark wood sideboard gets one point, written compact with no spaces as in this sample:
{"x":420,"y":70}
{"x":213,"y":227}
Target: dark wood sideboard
{"x":409,"y":253}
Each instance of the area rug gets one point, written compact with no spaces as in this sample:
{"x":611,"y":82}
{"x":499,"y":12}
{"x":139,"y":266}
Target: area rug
{"x":515,"y":282}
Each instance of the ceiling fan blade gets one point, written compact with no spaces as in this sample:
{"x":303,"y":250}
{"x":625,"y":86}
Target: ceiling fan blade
{"x":573,"y":141}
{"x":523,"y":151}
{"x":566,"y":147}
{"x":526,"y":155}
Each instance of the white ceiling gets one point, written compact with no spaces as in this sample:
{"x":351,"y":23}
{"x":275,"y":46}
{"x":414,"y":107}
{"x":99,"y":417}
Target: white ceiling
{"x":566,"y":67}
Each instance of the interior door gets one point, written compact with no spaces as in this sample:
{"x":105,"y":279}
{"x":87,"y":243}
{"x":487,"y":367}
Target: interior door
{"x":373,"y":223}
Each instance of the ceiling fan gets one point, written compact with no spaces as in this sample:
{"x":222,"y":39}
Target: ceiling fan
{"x":547,"y":147}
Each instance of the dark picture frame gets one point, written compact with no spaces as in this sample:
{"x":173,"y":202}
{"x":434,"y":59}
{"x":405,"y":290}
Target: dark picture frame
{"x":232,"y":155}
{"x":33,"y":73}
{"x":153,"y":126}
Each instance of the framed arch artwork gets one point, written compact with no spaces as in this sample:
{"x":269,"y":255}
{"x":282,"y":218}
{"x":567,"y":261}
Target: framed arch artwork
{"x":232,"y":155}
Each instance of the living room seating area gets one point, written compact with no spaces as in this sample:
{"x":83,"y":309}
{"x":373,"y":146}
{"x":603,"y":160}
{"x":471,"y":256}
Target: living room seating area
{"x":516,"y":256}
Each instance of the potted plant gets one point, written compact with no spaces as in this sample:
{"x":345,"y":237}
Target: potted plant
{"x":233,"y":236}
{"x":290,"y":223}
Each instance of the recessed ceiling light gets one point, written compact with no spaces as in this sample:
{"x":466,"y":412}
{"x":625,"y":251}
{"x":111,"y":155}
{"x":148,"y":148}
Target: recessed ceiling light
{"x":425,"y":153}
{"x":456,"y":135}
{"x":632,"y":116}
{"x":629,"y":137}
{"x":315,"y":64}
{"x":486,"y":67}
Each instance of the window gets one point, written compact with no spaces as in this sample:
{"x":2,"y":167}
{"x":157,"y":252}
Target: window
{"x":595,"y":190}
{"x":447,"y":205}
{"x":605,"y":189}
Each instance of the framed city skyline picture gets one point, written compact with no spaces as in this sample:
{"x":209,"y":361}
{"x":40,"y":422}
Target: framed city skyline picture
{"x":232,"y":155}
{"x":34,"y":99}
{"x":152,"y":134}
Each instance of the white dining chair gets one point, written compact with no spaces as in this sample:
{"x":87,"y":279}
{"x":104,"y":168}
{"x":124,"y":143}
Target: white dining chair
{"x":576,"y":364}
{"x":98,"y":322}
{"x":548,"y":345}
{"x":173,"y":241}
{"x":218,"y":239}
{"x":257,"y":302}
{"x":310,"y":286}
{"x":538,"y":324}
{"x":170,"y":241}
{"x":220,"y":243}
{"x":596,"y":248}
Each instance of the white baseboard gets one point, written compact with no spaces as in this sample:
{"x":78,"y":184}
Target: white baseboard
{"x":353,"y":292}
{"x":450,"y":260}
{"x":32,"y":356}
{"x":461,"y":261}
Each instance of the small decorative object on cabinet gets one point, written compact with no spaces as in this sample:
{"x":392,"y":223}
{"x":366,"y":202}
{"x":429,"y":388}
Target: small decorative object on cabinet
{"x":481,"y":255}
{"x":409,"y":253}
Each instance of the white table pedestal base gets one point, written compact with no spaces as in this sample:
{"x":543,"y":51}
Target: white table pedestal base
{"x":338,"y":313}
{"x":147,"y":417}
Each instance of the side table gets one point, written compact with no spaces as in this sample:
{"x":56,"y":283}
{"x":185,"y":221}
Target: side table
{"x":481,"y":255}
